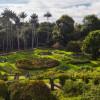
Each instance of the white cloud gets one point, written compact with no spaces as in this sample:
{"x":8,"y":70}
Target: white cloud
{"x":75,"y":8}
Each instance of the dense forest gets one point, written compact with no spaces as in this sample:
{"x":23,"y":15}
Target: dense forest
{"x":17,"y":34}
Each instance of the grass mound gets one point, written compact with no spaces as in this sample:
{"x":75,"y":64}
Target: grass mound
{"x":36,"y":63}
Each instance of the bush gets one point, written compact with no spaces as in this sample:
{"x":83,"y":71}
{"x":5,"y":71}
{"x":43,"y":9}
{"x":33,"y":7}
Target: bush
{"x":86,"y":79}
{"x":74,"y":46}
{"x":3,"y":89}
{"x":96,"y":80}
{"x":16,"y":90}
{"x":93,"y":94}
{"x":62,"y":79}
{"x":36,"y":90}
{"x":73,"y":88}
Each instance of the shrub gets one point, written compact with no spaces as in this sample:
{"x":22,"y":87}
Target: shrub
{"x":91,"y":44}
{"x":16,"y":90}
{"x":74,"y":46}
{"x":93,"y":94}
{"x":62,"y":79}
{"x":36,"y":90}
{"x":73,"y":88}
{"x":3,"y":89}
{"x":96,"y":80}
{"x":85,"y":78}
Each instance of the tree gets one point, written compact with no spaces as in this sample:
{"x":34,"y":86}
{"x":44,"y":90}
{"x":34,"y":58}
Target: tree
{"x":48,"y":15}
{"x":43,"y":30}
{"x":8,"y":16}
{"x":90,"y":23}
{"x":34,"y":22}
{"x":64,"y":26}
{"x":23,"y":15}
{"x":17,"y":25}
{"x":91,"y":44}
{"x":56,"y":36}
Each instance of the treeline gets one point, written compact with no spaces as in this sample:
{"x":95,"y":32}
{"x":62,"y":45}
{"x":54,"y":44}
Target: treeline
{"x":18,"y":34}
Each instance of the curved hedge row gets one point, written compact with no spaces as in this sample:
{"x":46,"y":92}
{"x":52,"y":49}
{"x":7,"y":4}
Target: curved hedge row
{"x":36,"y":63}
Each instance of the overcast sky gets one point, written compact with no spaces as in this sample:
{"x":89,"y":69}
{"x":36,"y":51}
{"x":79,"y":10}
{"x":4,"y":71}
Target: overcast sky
{"x":75,"y":8}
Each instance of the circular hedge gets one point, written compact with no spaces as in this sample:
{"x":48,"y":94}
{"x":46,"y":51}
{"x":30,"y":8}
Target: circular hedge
{"x":36,"y":63}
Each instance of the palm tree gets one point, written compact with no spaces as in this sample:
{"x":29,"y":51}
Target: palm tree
{"x":7,"y":15}
{"x":34,"y":21}
{"x":23,"y":15}
{"x":17,"y":25}
{"x":48,"y":15}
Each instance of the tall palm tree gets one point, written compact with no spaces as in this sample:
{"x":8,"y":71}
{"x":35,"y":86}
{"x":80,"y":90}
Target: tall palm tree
{"x":17,"y":25}
{"x":48,"y":15}
{"x":34,"y":21}
{"x":23,"y":15}
{"x":7,"y":15}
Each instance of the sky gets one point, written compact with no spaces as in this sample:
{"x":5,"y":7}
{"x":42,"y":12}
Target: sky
{"x":74,"y":8}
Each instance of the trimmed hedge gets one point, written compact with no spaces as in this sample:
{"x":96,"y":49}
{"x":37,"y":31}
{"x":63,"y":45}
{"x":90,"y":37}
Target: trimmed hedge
{"x":36,"y":63}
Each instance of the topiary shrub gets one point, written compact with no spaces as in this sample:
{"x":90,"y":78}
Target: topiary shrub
{"x":36,"y":63}
{"x":73,"y":88}
{"x":36,"y":90}
{"x":3,"y":90}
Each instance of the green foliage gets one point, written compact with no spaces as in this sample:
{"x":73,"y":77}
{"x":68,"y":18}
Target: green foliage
{"x":91,"y":22}
{"x":62,"y":79}
{"x":96,"y":80}
{"x":91,"y":43}
{"x":74,"y":46}
{"x":36,"y":90}
{"x":36,"y":63}
{"x":3,"y":89}
{"x":16,"y":90}
{"x":92,"y":94}
{"x":73,"y":88}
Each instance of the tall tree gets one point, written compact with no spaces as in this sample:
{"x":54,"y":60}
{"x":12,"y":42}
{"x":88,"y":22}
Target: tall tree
{"x":65,"y":26}
{"x":48,"y":15}
{"x":18,"y":26}
{"x":23,"y":15}
{"x":34,"y":21}
{"x":90,"y":23}
{"x":8,"y":16}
